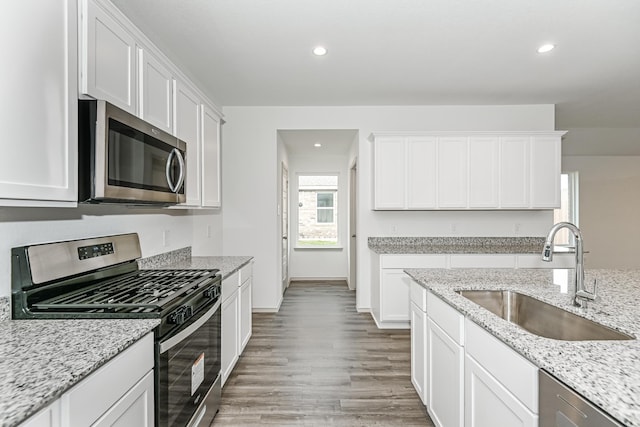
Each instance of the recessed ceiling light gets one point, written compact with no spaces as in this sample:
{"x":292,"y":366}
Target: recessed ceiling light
{"x":319,"y":50}
{"x":546,"y":48}
{"x":317,"y":145}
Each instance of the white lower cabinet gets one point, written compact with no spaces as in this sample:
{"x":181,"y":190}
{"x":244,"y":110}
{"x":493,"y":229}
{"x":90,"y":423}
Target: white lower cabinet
{"x":419,"y":351}
{"x":394,"y":296}
{"x":488,"y":403}
{"x":230,"y":334}
{"x":236,"y":317}
{"x":245,"y":307}
{"x":120,"y":393}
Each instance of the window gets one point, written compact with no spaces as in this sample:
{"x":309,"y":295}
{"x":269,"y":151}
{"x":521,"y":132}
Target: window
{"x":317,"y":210}
{"x":324,"y":207}
{"x":568,"y":211}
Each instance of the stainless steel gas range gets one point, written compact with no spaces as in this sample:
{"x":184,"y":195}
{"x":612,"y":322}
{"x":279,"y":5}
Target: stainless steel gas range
{"x":99,"y":278}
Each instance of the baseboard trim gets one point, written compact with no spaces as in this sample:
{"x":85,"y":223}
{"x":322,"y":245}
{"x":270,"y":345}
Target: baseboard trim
{"x":316,"y":279}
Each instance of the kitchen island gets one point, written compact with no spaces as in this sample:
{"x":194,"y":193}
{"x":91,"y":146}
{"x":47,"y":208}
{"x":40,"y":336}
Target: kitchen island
{"x":607,"y":373}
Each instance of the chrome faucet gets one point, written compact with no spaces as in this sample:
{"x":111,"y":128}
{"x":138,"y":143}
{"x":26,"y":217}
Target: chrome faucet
{"x":581,"y":294}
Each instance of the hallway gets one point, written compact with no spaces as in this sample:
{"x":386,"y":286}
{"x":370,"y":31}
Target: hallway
{"x":320,"y":363}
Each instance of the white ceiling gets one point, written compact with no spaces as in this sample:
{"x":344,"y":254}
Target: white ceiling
{"x":408,"y":52}
{"x":333,"y":142}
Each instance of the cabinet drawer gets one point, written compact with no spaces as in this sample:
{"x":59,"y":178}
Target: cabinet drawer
{"x":512,"y":370}
{"x":230,"y":285}
{"x":418,"y":295}
{"x":483,"y":261}
{"x":246,"y":272}
{"x":448,"y":318}
{"x":413,"y":261}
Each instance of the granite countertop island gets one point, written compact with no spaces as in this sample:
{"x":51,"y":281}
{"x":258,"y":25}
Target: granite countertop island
{"x":605,"y":372}
{"x":41,"y":359}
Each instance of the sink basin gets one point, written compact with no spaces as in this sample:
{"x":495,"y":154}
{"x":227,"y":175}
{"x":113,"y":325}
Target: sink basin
{"x":541,"y":318}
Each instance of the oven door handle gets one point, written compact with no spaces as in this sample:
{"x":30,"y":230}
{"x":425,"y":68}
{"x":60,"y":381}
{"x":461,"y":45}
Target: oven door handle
{"x":180,"y":336}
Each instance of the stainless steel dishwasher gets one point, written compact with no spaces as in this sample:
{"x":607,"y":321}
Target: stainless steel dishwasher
{"x":562,"y":407}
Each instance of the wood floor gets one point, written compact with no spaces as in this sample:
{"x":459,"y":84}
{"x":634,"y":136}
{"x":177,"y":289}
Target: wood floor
{"x":317,"y":362}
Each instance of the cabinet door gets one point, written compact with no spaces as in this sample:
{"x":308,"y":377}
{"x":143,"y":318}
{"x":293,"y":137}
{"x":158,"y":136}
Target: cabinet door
{"x":452,"y":172}
{"x":108,"y":59}
{"x":156,"y":92}
{"x":245,"y":315}
{"x":47,"y":417}
{"x":445,"y":378}
{"x":229,"y":335}
{"x":545,"y":172}
{"x":187,"y":128}
{"x":489,"y":403}
{"x":394,"y":296}
{"x":389,"y":173}
{"x":134,"y":408}
{"x":421,"y":172}
{"x":211,"y":196}
{"x":483,"y":172}
{"x":39,"y":104}
{"x":419,"y":351}
{"x":514,"y":172}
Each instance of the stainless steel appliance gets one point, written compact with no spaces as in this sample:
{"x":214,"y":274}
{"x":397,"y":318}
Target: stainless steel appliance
{"x":123,"y":159}
{"x":562,"y":407}
{"x":99,"y":278}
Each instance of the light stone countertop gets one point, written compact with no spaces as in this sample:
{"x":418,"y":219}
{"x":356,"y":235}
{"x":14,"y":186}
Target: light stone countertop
{"x":605,"y":372}
{"x":459,"y":245}
{"x":41,"y":359}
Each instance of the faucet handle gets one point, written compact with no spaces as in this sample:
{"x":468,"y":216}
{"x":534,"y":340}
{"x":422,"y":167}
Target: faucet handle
{"x":591,"y":296}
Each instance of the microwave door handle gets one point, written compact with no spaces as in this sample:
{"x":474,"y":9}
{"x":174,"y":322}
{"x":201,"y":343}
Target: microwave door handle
{"x":167,"y":170}
{"x":181,"y":164}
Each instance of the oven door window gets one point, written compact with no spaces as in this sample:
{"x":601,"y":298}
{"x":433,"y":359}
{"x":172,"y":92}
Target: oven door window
{"x":187,"y":371}
{"x":137,"y":160}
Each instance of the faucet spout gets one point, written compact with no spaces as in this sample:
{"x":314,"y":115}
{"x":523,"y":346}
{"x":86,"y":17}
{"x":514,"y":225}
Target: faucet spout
{"x":581,"y":293}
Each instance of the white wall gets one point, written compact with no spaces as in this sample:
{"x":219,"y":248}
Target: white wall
{"x":320,"y":263}
{"x":609,"y":208}
{"x":251,"y":220}
{"x":23,"y":226}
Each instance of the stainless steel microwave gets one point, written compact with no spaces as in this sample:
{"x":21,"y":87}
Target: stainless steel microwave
{"x":123,"y":159}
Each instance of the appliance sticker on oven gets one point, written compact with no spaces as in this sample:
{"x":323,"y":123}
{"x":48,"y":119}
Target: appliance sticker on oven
{"x":197,"y":373}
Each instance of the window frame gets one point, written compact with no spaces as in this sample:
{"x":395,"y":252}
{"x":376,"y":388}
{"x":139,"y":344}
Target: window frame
{"x":298,"y":244}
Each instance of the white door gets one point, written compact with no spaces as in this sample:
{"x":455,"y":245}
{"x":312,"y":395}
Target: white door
{"x":352,"y":226}
{"x":285,"y":228}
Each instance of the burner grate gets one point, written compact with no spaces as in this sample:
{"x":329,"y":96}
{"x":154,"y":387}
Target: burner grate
{"x":142,"y":291}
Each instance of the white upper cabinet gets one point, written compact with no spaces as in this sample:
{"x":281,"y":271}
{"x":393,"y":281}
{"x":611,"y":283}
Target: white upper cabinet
{"x":390,"y":176}
{"x":546,"y":168}
{"x":187,"y":128}
{"x":156,"y":91}
{"x":467,"y":170}
{"x":109,"y":58}
{"x":421,"y":173}
{"x":514,"y":172}
{"x":452,"y":169}
{"x":39,"y":104}
{"x":211,"y":194}
{"x":483,"y":172}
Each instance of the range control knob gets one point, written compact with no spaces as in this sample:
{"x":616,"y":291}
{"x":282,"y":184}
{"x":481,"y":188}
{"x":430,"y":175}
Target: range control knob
{"x":211,"y":293}
{"x":180,"y":315}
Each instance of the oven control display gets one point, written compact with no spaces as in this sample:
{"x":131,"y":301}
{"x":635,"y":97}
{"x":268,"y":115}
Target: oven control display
{"x":86,"y":252}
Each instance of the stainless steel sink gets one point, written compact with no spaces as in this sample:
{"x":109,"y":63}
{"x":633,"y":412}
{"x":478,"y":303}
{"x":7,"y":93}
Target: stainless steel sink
{"x":541,"y":318}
